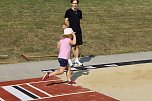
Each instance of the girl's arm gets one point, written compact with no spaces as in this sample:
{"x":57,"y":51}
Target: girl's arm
{"x":58,"y":44}
{"x":73,"y":42}
{"x":67,"y":23}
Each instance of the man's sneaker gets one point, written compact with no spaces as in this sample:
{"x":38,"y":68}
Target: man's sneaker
{"x":71,"y":82}
{"x":78,"y":63}
{"x":46,"y":75}
{"x":70,"y":63}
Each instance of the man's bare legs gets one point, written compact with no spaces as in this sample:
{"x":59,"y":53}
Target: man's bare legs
{"x":76,"y":55}
{"x":75,"y":50}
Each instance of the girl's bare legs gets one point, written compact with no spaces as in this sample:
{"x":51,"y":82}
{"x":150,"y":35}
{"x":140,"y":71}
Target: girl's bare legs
{"x":68,"y":73}
{"x":56,"y":72}
{"x":60,"y":71}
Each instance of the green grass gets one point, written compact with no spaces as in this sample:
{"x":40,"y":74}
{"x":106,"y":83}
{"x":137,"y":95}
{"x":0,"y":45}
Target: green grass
{"x":109,"y":26}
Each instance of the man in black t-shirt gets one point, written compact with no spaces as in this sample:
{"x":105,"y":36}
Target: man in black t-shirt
{"x":72,"y":19}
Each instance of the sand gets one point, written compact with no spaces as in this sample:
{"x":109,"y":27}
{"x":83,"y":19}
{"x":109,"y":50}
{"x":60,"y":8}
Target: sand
{"x":126,"y":83}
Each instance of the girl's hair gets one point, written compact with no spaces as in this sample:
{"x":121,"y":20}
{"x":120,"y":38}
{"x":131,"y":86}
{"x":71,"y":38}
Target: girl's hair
{"x":75,"y":0}
{"x":64,"y":24}
{"x":67,"y":36}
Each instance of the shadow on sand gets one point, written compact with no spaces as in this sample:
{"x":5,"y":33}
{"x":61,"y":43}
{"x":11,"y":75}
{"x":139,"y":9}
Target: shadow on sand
{"x":86,"y":58}
{"x":77,"y":74}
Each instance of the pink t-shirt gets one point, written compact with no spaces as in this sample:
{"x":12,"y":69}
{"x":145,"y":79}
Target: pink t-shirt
{"x":65,"y":47}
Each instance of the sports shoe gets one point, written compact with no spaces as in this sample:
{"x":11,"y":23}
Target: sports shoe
{"x":70,"y":63}
{"x":46,"y":75}
{"x":71,"y":82}
{"x":78,"y":63}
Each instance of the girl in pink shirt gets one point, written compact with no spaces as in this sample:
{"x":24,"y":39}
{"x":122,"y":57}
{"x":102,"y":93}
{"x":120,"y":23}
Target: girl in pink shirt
{"x":64,"y":45}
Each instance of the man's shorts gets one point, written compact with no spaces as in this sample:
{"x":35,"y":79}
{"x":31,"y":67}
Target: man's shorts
{"x":78,"y":39}
{"x":63,"y":62}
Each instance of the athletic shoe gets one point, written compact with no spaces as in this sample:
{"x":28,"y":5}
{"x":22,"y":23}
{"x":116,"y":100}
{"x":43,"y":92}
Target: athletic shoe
{"x":70,"y":63}
{"x":46,"y":75}
{"x":71,"y":82}
{"x":78,"y":63}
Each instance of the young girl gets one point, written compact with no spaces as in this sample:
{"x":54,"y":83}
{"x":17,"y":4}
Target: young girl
{"x":64,"y":45}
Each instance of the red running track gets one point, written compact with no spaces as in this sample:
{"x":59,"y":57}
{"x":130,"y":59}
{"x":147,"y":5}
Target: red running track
{"x":53,"y":89}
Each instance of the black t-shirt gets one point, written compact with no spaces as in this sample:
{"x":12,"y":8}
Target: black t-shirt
{"x":74,"y":19}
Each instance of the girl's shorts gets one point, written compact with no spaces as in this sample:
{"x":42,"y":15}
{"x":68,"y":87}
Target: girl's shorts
{"x":63,"y":62}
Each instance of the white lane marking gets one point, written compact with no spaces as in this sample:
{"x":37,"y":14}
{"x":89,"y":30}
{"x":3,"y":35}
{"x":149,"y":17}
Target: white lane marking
{"x":90,"y":67}
{"x":32,"y":82}
{"x":73,"y":93}
{"x":47,"y":70}
{"x":66,"y":94}
{"x":111,"y":65}
{"x":40,"y":90}
{"x":73,"y":69}
{"x":29,"y":92}
{"x":17,"y":93}
{"x":1,"y":99}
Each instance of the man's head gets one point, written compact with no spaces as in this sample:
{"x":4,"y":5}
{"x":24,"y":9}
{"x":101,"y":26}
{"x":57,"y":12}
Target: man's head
{"x":75,"y":0}
{"x":74,"y":3}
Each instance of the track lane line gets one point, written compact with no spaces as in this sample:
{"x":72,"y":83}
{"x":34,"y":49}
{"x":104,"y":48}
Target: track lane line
{"x":32,"y":82}
{"x":63,"y":95}
{"x":40,"y":90}
{"x":73,"y":93}
{"x":27,"y":92}
{"x":17,"y":93}
{"x":1,"y":99}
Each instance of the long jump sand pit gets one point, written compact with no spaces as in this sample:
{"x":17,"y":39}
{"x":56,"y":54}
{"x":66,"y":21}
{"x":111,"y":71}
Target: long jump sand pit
{"x":126,"y":83}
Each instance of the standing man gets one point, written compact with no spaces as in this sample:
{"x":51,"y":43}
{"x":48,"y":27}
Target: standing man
{"x":72,"y":19}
